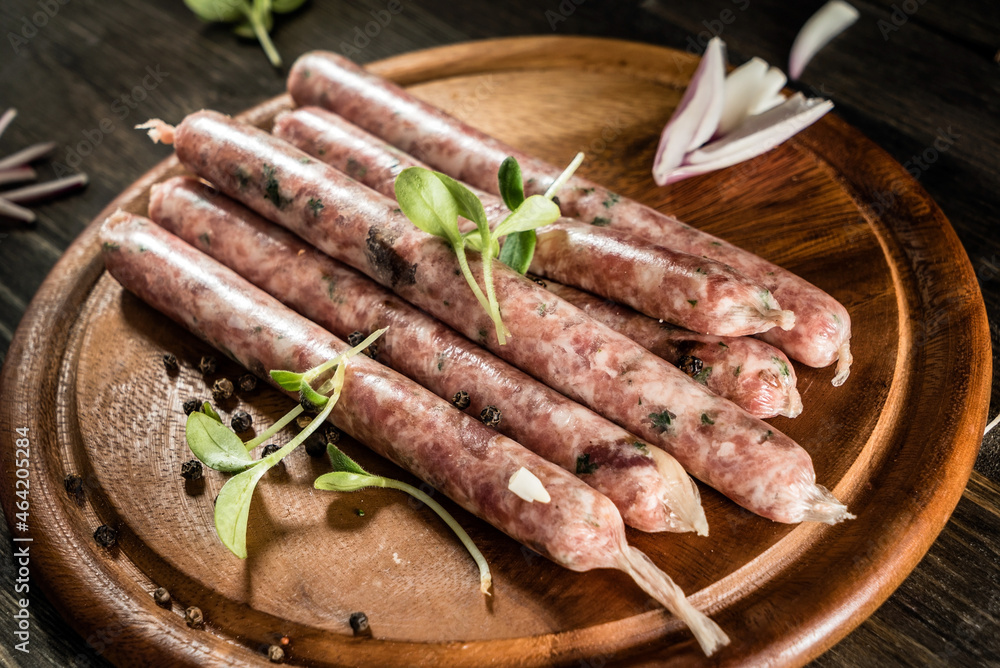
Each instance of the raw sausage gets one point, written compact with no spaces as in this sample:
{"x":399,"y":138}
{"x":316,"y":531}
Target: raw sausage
{"x":652,"y":491}
{"x":716,"y":441}
{"x":579,"y":528}
{"x":822,"y":332}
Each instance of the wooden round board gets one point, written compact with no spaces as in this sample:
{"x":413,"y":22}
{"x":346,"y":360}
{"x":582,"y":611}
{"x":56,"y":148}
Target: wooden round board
{"x":897,"y":442}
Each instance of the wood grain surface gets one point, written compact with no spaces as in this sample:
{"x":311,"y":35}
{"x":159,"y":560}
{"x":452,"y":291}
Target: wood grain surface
{"x":769,"y":585}
{"x":932,"y":76}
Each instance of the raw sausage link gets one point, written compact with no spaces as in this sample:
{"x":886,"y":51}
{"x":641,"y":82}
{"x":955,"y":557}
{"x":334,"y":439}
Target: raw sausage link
{"x":822,"y":332}
{"x":691,"y":291}
{"x":343,"y":301}
{"x":579,"y":528}
{"x":716,"y":441}
{"x":754,"y":375}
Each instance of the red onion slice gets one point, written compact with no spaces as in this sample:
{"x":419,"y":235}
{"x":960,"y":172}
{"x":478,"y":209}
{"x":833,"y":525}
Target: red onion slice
{"x":696,"y":116}
{"x":17,"y":175}
{"x":832,"y":19}
{"x":47,"y":189}
{"x":26,"y":155}
{"x":11,"y":210}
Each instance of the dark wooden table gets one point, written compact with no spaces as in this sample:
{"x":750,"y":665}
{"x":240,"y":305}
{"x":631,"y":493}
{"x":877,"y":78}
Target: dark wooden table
{"x":911,"y":74}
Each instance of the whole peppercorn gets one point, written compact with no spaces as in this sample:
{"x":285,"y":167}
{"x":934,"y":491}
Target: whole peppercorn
{"x":222,"y":390}
{"x":491,"y":416}
{"x":74,"y":485}
{"x":106,"y":536}
{"x":241,"y":421}
{"x":331,"y":434}
{"x":303,"y":421}
{"x":194,"y":617}
{"x":315,"y":447}
{"x":191,"y":470}
{"x":161,"y":596}
{"x":690,"y":365}
{"x":359,"y":624}
{"x":269,"y":449}
{"x":170,"y":363}
{"x":207,"y":365}
{"x":461,"y":400}
{"x":248,"y":382}
{"x":191,"y":405}
{"x":275,"y":654}
{"x":355,"y":338}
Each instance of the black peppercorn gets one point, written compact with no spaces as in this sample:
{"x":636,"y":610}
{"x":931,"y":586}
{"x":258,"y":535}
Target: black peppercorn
{"x":690,"y":365}
{"x":491,"y":416}
{"x":359,"y":624}
{"x":74,"y":485}
{"x":269,"y":449}
{"x":191,"y":405}
{"x":461,"y":400}
{"x":207,"y":365}
{"x":303,"y":421}
{"x":356,"y":338}
{"x":170,"y":363}
{"x":161,"y":596}
{"x":106,"y":536}
{"x":222,"y":390}
{"x":315,"y":447}
{"x":241,"y":421}
{"x":275,"y":654}
{"x":194,"y":617}
{"x":331,"y":434}
{"x":248,"y":382}
{"x":191,"y":470}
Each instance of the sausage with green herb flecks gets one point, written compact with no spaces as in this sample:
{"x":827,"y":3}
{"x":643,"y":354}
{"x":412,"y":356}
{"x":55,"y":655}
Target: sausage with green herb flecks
{"x":822,"y":331}
{"x":753,"y":374}
{"x":716,"y":441}
{"x":649,"y":487}
{"x":691,"y":291}
{"x":578,"y":528}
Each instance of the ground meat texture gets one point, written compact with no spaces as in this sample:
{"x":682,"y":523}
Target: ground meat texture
{"x":823,"y":327}
{"x":453,"y":452}
{"x":425,"y":350}
{"x":472,"y":464}
{"x":751,"y":373}
{"x":692,"y":291}
{"x":578,"y":356}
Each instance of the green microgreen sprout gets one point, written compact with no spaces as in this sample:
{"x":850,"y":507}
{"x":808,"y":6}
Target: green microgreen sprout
{"x":255,"y":18}
{"x":349,"y":476}
{"x":433,"y":202}
{"x":219,"y":448}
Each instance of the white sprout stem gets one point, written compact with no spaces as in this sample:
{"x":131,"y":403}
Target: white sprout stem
{"x":485,"y":578}
{"x":264,"y":39}
{"x":26,"y":155}
{"x":6,"y":119}
{"x":16,"y":211}
{"x":993,"y":424}
{"x":502,"y":331}
{"x":16,"y":175}
{"x":565,"y":176}
{"x":275,"y":428}
{"x":40,"y":190}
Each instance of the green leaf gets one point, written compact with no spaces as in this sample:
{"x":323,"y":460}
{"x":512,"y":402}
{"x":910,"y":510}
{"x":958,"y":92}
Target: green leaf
{"x":312,"y":396}
{"x":342,"y":462}
{"x":215,"y":444}
{"x":518,"y":249}
{"x":469,"y":206}
{"x":511,"y":184}
{"x":534,"y":212}
{"x":224,"y":11}
{"x":206,"y":408}
{"x":345,"y":481}
{"x":289,"y":380}
{"x":232,"y":507}
{"x":428,"y":203}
